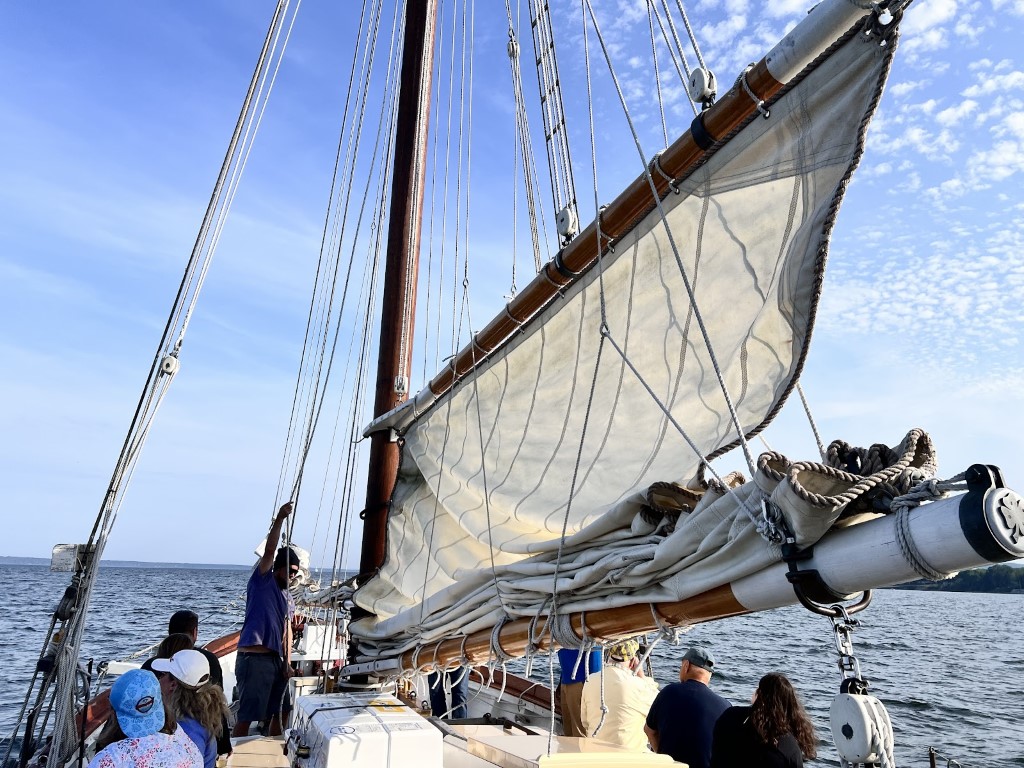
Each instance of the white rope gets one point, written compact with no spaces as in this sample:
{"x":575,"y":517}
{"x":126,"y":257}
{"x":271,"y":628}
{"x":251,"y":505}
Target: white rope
{"x":933,"y":488}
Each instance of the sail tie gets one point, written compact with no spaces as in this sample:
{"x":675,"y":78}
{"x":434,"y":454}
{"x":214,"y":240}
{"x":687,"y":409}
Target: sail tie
{"x":758,"y":102}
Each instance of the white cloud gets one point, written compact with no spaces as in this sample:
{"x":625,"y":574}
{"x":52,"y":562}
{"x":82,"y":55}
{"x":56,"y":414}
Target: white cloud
{"x":784,"y":8}
{"x":1015,"y":7}
{"x":1012,"y":125}
{"x":723,"y":32}
{"x":925,"y":17}
{"x":926,"y":41}
{"x":902,"y":89}
{"x":956,"y":115}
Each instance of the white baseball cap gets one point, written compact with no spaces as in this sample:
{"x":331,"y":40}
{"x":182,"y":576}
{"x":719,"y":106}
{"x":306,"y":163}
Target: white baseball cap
{"x":190,"y":668}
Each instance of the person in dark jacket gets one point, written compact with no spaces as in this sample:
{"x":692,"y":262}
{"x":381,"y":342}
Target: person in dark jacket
{"x":683,"y":716}
{"x":774,"y":732}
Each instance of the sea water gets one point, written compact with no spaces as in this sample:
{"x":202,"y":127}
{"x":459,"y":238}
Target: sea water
{"x":948,"y":666}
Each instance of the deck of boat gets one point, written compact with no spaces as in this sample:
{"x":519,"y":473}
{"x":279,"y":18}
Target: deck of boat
{"x":481,"y":746}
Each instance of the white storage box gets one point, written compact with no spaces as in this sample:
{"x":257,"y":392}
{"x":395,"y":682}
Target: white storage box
{"x":361,"y":729}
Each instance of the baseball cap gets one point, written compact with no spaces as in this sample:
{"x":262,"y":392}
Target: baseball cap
{"x":624,"y":651}
{"x":286,"y":557}
{"x":137,"y":703}
{"x":699,"y":656}
{"x":190,"y":668}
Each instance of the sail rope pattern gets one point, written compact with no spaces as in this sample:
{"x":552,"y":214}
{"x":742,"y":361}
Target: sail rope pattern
{"x":675,"y":251}
{"x":59,"y":686}
{"x":492,"y":380}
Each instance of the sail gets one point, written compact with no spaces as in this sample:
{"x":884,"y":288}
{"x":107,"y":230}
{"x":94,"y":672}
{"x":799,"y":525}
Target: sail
{"x":487,"y":471}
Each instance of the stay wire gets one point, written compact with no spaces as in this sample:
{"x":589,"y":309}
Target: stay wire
{"x":657,"y":73}
{"x":154,"y":391}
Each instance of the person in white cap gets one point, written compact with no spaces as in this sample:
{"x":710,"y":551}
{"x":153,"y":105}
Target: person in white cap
{"x":625,"y":694}
{"x":194,"y":700}
{"x":137,"y":734}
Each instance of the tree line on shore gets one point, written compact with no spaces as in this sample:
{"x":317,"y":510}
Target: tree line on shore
{"x":1005,"y":579}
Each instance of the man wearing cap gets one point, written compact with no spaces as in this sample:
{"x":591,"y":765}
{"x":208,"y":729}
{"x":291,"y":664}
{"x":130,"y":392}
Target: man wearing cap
{"x":682,"y":719}
{"x":139,"y":710}
{"x":627,"y":696}
{"x":264,"y":645}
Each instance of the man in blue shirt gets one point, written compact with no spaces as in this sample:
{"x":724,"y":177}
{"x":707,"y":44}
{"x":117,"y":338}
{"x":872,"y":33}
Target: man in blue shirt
{"x":264,"y":645}
{"x":682,"y":719}
{"x":570,"y":688}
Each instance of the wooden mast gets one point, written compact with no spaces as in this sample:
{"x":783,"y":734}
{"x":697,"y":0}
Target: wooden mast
{"x":401,"y":268}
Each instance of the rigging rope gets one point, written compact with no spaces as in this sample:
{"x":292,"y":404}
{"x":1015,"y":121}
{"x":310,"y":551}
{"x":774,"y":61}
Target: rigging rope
{"x":563,"y":188}
{"x":657,"y":73}
{"x":162,"y":370}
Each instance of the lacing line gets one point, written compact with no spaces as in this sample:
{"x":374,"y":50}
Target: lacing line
{"x":499,"y":654}
{"x":758,"y":102}
{"x":655,"y":164}
{"x":531,"y":637}
{"x":673,"y":634}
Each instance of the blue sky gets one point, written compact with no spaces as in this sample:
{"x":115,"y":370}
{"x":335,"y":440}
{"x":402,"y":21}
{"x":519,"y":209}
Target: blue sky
{"x":115,"y":119}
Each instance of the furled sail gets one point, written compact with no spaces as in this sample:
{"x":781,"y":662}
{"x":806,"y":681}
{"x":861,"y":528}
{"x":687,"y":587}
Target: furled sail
{"x":484,"y":487}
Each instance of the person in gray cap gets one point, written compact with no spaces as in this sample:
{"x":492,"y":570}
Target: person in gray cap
{"x":682,"y":719}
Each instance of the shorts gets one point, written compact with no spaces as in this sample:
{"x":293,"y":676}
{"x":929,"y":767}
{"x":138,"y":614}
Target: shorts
{"x":260,"y":686}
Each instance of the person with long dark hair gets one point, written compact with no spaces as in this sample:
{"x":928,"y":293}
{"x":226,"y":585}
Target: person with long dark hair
{"x":773,"y":732}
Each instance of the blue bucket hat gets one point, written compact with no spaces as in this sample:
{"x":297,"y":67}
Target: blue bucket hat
{"x":137,"y":703}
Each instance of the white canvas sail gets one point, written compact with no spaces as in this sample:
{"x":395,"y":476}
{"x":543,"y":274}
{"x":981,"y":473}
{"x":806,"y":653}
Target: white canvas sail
{"x":486,"y":473}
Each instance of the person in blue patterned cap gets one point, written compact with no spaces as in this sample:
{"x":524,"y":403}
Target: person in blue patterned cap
{"x":139,"y":726}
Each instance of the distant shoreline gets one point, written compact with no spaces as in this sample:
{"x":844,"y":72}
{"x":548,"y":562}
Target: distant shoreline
{"x":7,"y":560}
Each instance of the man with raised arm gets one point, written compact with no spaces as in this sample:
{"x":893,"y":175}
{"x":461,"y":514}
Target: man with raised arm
{"x":263,"y":668}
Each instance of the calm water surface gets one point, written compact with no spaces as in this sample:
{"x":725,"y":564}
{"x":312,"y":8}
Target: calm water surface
{"x":949,"y":667}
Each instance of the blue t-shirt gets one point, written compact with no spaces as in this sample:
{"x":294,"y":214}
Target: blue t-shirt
{"x":265,"y":611}
{"x":202,"y":738}
{"x":567,"y":661}
{"x":684,"y":715}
